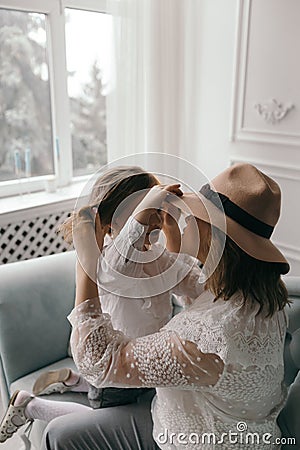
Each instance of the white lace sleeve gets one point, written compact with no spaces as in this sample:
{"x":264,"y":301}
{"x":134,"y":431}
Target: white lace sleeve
{"x":127,"y":271}
{"x":119,"y":268}
{"x":191,"y":284}
{"x":179,"y":273}
{"x":131,"y":237}
{"x":106,"y":357}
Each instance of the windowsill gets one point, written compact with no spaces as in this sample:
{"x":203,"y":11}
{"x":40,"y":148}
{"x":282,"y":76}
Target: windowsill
{"x":36,"y":199}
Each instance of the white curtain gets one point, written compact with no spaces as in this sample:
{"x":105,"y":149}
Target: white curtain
{"x":153,"y":101}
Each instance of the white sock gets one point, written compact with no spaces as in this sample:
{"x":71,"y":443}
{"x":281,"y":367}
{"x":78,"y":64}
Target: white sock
{"x":46,"y":410}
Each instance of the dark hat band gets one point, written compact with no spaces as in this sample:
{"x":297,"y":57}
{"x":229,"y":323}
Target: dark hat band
{"x":236,"y":213}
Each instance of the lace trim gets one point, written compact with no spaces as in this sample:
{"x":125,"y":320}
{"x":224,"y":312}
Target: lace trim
{"x":210,"y":426}
{"x":265,"y":382}
{"x":235,"y":334}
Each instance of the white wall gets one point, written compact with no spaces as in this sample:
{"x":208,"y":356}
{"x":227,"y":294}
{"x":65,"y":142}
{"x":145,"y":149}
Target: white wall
{"x":250,"y":54}
{"x":216,"y":52}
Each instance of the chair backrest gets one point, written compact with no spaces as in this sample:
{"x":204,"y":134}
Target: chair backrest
{"x":292,"y":342}
{"x":35,"y":298}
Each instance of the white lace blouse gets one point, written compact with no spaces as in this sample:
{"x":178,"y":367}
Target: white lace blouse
{"x":217,"y":367}
{"x":136,"y":288}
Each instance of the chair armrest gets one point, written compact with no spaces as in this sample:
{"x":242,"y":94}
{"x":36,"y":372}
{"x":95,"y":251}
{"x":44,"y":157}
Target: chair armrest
{"x":292,"y":341}
{"x":292,"y":285}
{"x":36,"y":297}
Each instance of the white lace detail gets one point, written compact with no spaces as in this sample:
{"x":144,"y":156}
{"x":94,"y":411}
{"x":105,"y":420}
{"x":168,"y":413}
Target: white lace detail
{"x":233,"y":331}
{"x":256,"y":350}
{"x":153,"y":374}
{"x":105,"y":356}
{"x":208,"y":337}
{"x":208,"y":431}
{"x":265,"y":382}
{"x":136,"y":295}
{"x":215,"y":364}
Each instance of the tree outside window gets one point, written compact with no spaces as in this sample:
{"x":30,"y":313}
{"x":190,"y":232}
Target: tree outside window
{"x":27,"y":137}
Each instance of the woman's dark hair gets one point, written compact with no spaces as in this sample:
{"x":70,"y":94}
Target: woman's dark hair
{"x":258,"y":281}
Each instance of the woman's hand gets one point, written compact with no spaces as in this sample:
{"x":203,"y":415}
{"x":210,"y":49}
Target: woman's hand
{"x":154,"y":200}
{"x":171,"y":228}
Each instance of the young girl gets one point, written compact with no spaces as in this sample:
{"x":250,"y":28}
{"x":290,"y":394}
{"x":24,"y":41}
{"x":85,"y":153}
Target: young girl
{"x":132,"y":311}
{"x":217,"y":366}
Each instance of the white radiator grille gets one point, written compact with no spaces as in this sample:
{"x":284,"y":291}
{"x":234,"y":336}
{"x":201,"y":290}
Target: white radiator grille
{"x":32,"y":237}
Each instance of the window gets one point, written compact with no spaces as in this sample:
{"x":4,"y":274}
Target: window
{"x":25,"y":140}
{"x":87,"y":54}
{"x":53,"y":69}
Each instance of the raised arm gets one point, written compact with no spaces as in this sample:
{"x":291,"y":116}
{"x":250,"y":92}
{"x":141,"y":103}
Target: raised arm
{"x":106,"y":357}
{"x":171,"y":228}
{"x":88,"y":237}
{"x":153,"y":201}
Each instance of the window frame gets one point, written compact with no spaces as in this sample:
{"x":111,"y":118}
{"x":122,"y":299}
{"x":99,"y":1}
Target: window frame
{"x":59,"y":99}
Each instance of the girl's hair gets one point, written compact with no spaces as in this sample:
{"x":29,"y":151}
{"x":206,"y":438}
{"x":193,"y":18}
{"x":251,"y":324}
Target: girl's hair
{"x":109,"y":191}
{"x":258,"y":281}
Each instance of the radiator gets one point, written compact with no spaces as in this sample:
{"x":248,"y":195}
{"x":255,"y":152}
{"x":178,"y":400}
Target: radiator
{"x":30,"y":233}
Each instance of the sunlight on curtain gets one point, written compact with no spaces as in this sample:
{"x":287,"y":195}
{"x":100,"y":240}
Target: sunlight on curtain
{"x":153,"y":102}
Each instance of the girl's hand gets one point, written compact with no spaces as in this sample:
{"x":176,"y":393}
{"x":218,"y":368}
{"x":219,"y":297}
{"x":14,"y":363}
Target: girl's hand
{"x":154,"y":200}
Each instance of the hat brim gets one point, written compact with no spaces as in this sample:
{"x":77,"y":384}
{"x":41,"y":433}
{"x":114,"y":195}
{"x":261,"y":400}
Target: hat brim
{"x":254,"y":245}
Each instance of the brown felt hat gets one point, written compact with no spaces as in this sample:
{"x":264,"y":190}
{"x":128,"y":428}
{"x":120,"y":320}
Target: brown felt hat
{"x":245,"y":204}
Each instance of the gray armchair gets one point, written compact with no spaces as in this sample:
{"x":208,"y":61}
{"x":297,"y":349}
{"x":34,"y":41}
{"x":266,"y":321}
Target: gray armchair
{"x":289,"y":418}
{"x":35,"y":298}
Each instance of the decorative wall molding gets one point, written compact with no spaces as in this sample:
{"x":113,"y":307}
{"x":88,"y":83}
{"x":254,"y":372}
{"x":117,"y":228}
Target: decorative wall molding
{"x":276,"y":120}
{"x":267,"y":137}
{"x":284,"y":171}
{"x":273,"y":111}
{"x":239,"y":132}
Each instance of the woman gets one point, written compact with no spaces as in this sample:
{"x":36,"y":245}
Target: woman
{"x":217,"y":366}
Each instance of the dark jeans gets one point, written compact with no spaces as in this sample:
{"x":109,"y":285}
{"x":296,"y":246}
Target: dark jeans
{"x":106,"y":397}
